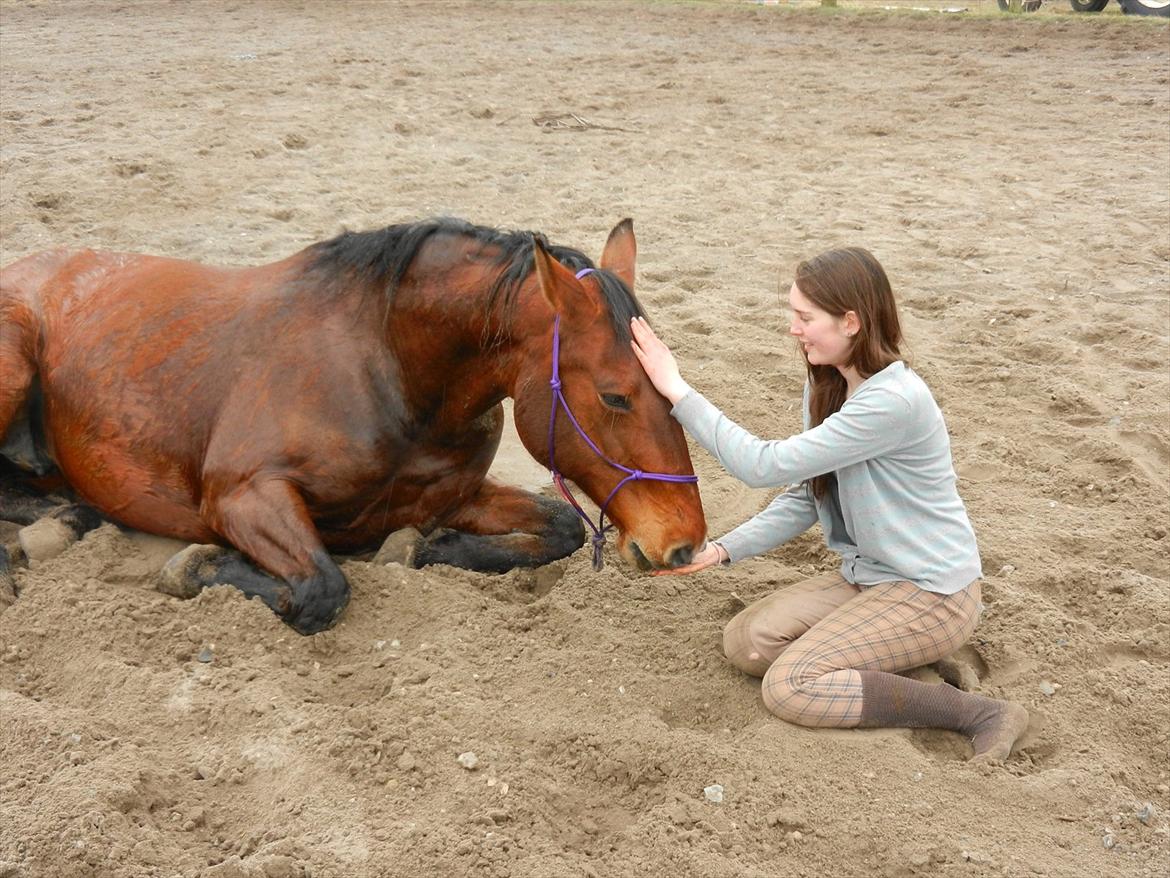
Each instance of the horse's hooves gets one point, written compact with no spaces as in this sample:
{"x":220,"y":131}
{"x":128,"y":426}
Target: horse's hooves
{"x":45,"y":539}
{"x":181,"y":575}
{"x":399,"y":548}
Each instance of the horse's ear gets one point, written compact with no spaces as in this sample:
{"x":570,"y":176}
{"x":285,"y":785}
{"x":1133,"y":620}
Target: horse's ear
{"x":621,"y":251}
{"x":558,"y":284}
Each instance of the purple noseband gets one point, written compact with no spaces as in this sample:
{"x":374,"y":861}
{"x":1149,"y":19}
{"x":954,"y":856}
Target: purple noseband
{"x":632,"y":475}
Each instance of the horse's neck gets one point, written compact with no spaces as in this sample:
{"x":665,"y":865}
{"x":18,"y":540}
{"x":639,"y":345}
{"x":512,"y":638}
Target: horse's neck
{"x":457,"y":367}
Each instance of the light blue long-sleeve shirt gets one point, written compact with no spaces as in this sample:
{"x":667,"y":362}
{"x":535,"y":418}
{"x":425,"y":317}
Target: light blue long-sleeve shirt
{"x":894,"y":512}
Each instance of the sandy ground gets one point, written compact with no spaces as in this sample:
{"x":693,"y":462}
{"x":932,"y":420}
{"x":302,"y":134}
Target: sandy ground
{"x":1013,"y":174}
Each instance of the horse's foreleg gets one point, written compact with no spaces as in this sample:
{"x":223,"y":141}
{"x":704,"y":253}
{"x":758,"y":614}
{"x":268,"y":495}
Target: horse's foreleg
{"x":503,"y":527}
{"x":268,"y":522}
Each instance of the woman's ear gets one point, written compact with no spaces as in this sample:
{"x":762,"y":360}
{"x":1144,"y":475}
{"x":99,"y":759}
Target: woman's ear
{"x":850,"y":325}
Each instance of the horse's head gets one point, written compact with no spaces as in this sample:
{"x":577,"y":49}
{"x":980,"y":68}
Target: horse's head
{"x":660,"y":522}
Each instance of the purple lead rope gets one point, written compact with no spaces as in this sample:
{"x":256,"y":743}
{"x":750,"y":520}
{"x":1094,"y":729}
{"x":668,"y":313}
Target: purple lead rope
{"x":632,"y":475}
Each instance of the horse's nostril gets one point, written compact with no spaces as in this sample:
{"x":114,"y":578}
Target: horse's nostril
{"x":639,"y":557}
{"x":680,"y":556}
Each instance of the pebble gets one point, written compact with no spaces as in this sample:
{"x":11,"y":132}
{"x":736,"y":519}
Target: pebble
{"x":714,"y":793}
{"x":406,"y":761}
{"x":1047,"y":688}
{"x":1146,"y":813}
{"x":468,"y":760}
{"x":205,"y":655}
{"x":1107,"y":841}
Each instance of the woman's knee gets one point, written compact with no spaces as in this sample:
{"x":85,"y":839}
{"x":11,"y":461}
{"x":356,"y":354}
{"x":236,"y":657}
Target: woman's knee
{"x":784,"y":689}
{"x":750,"y":645}
{"x":815,"y":691}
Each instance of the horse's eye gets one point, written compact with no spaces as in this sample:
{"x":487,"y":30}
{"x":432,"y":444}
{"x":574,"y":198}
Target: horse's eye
{"x":616,"y":401}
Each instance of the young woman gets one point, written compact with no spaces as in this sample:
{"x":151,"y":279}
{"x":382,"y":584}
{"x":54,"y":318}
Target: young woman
{"x":874,"y":467}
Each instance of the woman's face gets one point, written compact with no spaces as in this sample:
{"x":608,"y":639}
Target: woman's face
{"x":825,"y":339}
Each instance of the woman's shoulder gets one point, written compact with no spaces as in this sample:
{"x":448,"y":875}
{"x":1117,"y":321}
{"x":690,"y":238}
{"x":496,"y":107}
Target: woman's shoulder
{"x":901,"y":381}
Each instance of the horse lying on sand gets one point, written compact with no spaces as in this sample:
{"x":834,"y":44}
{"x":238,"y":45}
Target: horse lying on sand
{"x":322,"y":402}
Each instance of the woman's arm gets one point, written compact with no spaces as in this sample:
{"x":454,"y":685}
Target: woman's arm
{"x":789,"y":515}
{"x":870,"y":425}
{"x":786,"y":517}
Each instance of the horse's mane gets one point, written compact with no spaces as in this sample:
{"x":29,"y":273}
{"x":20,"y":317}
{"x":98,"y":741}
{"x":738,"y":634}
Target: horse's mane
{"x":383,"y":256}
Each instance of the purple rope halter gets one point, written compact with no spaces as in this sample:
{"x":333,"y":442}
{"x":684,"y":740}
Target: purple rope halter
{"x":632,"y":475}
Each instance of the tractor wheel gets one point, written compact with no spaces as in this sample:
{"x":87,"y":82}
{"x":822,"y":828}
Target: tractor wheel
{"x":1161,"y":8}
{"x":1088,"y":5}
{"x":1025,"y":5}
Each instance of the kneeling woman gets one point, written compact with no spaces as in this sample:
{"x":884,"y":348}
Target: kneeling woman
{"x":874,"y":467}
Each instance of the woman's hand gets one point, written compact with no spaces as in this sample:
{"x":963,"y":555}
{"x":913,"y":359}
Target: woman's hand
{"x":658,"y":361}
{"x":710,"y":555}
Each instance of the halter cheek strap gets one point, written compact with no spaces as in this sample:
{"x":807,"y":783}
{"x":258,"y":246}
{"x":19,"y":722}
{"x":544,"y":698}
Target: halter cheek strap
{"x":632,"y":475}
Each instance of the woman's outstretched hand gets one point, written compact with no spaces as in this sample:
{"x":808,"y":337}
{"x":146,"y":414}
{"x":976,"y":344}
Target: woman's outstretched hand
{"x":658,"y":361}
{"x":710,"y":555}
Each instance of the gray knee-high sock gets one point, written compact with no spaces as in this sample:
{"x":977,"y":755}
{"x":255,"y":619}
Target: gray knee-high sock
{"x":890,"y":701}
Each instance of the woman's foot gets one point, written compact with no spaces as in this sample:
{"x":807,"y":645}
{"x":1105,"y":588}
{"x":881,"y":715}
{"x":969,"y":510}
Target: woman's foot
{"x":995,"y":737}
{"x":993,"y":726}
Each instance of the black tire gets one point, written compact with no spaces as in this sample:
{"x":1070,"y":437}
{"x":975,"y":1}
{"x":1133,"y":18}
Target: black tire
{"x":1160,"y":8}
{"x":1025,"y":5}
{"x":1088,"y":5}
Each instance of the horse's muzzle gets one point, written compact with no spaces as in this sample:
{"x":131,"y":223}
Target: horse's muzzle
{"x":679,"y":556}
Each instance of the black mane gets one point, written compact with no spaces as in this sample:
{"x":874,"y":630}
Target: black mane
{"x":383,"y":256}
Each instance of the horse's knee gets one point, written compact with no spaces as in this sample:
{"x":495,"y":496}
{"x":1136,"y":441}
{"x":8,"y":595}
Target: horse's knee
{"x":307,"y":604}
{"x":565,"y":533}
{"x":319,"y":599}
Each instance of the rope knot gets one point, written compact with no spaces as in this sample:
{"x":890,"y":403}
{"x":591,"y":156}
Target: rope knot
{"x":555,"y":384}
{"x":638,"y":474}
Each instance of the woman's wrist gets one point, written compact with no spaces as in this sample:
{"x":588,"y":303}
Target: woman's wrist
{"x":677,"y":391}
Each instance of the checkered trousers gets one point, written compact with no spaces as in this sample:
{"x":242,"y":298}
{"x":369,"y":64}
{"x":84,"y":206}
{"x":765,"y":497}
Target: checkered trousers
{"x":809,"y":640}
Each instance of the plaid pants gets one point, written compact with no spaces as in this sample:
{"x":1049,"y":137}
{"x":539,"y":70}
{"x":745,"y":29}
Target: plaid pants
{"x":809,"y":640}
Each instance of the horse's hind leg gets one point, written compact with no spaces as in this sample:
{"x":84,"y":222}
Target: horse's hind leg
{"x":269,"y":523}
{"x":500,"y":528}
{"x":58,"y":520}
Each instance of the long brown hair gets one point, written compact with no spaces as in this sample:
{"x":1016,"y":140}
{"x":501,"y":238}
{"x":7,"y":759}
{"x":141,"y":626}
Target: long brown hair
{"x":838,"y":281}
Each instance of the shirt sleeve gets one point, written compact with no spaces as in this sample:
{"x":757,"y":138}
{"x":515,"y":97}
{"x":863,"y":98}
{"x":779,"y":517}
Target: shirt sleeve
{"x":868,"y":425}
{"x":789,"y":515}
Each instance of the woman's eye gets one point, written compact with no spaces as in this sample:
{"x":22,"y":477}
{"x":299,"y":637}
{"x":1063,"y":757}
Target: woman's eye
{"x":616,"y":401}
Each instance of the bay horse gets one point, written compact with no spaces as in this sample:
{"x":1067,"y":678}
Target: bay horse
{"x":319,"y":403}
